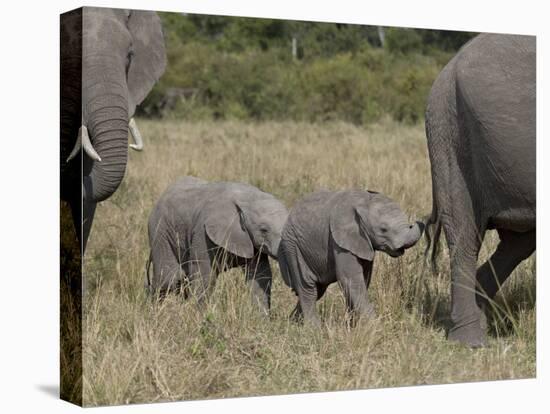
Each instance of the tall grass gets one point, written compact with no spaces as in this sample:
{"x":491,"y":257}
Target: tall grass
{"x":138,"y":351}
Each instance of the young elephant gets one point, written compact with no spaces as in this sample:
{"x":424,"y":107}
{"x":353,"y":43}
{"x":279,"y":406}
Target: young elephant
{"x":198,"y":229}
{"x":332,"y":236}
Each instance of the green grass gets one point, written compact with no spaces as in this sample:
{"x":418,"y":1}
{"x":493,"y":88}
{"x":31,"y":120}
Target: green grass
{"x":137,"y":351}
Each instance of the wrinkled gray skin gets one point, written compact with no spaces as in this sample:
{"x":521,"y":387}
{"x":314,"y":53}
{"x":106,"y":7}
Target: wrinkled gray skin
{"x":110,"y":60}
{"x":480,"y":124}
{"x":331,"y":237}
{"x":198,"y":229}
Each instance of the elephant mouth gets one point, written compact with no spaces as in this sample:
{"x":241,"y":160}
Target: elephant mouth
{"x":270,"y":254}
{"x":396,"y":253}
{"x":264,"y":249}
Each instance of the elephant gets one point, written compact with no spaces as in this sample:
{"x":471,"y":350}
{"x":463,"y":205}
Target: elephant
{"x":110,"y":60}
{"x":331,"y":236}
{"x":480,"y":128}
{"x":198,"y":229}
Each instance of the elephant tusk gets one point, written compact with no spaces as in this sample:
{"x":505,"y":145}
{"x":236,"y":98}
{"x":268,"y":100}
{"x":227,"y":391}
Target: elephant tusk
{"x":76,"y":148}
{"x":136,"y":135}
{"x":87,"y":144}
{"x":83,"y":140}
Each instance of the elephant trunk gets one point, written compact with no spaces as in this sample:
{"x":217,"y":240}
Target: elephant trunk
{"x":274,"y":248}
{"x":105,"y":114}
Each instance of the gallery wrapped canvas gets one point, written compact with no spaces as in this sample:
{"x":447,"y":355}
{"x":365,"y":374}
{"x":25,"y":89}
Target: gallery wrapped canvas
{"x":255,"y":206}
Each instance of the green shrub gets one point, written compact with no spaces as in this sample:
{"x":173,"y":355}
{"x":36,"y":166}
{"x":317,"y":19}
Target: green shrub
{"x":243,"y":68}
{"x":404,"y":41}
{"x":256,"y":84}
{"x":409,"y":84}
{"x":334,"y":89}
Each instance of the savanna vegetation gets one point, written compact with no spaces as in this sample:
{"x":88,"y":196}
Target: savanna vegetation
{"x":234,"y":68}
{"x":340,"y":106}
{"x":139,"y":351}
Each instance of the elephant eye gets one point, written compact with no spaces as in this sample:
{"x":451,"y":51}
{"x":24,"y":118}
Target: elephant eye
{"x":263,"y":230}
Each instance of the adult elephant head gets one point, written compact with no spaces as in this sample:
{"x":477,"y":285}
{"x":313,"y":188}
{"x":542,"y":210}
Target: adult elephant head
{"x":121,"y":55}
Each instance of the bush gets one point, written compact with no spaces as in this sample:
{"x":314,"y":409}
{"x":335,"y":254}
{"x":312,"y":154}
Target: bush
{"x":336,"y":88}
{"x":256,"y":84}
{"x":408,"y":86}
{"x":403,"y":41}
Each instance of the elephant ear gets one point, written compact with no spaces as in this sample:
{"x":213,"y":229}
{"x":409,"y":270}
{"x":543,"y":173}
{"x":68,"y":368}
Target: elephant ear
{"x":148,"y":55}
{"x":348,"y":230}
{"x":224,"y":227}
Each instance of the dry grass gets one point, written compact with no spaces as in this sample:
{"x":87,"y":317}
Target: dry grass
{"x":136,"y":351}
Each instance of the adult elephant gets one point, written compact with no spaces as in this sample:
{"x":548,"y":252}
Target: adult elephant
{"x":480,"y":125}
{"x":110,"y":60}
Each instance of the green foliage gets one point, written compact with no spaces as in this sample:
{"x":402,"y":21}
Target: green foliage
{"x":409,"y":84}
{"x":337,"y":88}
{"x":446,"y":40}
{"x":223,"y":67}
{"x":327,"y":39}
{"x":403,"y":40}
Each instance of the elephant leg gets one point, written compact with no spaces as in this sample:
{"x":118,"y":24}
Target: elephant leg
{"x":308,"y":298}
{"x":167,"y":271}
{"x":511,"y":251}
{"x":258,"y":276}
{"x":306,"y":287}
{"x":307,"y":292}
{"x":367,"y":266}
{"x":203,"y":269}
{"x":297,"y":313}
{"x":203,"y":277}
{"x":297,"y":275}
{"x":468,"y":322}
{"x":351,"y":278}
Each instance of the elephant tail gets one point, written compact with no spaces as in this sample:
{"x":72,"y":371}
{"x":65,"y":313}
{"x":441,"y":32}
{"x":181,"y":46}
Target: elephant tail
{"x":441,"y":132}
{"x":432,"y":234}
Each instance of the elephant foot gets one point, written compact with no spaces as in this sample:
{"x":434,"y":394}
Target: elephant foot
{"x":472,"y":335}
{"x":307,"y":318}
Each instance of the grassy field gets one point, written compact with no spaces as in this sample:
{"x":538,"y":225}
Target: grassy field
{"x":137,"y":351}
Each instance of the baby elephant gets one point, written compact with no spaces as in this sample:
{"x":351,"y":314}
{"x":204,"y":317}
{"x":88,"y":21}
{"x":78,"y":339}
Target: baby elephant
{"x":332,"y":236}
{"x":198,"y":229}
